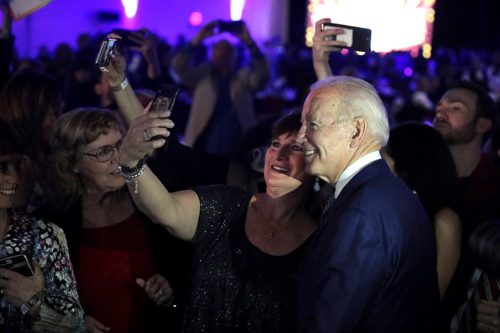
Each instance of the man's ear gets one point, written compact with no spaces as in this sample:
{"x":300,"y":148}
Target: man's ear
{"x":358,"y":131}
{"x":483,"y":125}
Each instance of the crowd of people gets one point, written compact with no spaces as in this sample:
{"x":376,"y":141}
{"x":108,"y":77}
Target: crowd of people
{"x":364,"y":200}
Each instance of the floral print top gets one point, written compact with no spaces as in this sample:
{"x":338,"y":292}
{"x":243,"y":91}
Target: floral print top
{"x":46,"y":243}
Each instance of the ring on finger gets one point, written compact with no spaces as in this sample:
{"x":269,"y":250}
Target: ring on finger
{"x":146,"y":135}
{"x":160,"y":293}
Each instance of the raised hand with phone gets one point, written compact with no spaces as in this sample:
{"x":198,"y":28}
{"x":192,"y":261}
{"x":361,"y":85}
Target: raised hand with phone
{"x":218,"y":115}
{"x":323,"y":45}
{"x":122,"y":41}
{"x":330,"y":37}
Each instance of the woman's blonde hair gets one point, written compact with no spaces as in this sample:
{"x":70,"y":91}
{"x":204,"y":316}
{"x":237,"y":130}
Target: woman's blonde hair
{"x":72,"y":131}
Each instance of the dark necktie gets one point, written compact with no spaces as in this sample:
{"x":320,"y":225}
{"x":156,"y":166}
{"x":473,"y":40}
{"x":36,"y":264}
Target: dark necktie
{"x":329,"y":202}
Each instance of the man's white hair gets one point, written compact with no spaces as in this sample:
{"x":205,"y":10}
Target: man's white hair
{"x":359,"y":99}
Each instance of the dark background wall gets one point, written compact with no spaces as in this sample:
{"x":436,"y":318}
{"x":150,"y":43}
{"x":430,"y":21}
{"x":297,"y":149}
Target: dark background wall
{"x":467,"y":23}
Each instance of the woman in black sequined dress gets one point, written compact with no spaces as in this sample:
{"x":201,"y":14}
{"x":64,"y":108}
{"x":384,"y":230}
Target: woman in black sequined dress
{"x":247,"y":246}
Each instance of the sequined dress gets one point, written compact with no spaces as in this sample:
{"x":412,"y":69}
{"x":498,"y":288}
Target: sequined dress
{"x":235,"y":286}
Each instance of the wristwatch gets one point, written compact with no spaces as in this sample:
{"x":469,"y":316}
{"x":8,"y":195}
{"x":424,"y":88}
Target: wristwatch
{"x":26,"y":307}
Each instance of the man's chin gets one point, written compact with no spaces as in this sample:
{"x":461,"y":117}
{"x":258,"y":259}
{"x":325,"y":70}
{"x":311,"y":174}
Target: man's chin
{"x":441,"y":129}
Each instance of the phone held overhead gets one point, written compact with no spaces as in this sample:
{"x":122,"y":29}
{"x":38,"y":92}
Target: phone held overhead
{"x":165,"y":97}
{"x":108,"y":45}
{"x":356,"y":38}
{"x":234,"y":27}
{"x":164,"y":100}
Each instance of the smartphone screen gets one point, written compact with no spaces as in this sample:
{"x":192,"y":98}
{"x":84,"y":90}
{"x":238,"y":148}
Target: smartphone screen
{"x":103,"y":56}
{"x":18,"y":263}
{"x":164,"y":99}
{"x":356,"y":38}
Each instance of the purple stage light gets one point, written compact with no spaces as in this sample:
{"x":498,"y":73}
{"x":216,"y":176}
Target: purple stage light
{"x":130,"y":7}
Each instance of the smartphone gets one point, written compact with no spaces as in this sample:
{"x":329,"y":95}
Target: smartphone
{"x":124,"y":34}
{"x":107,"y":47}
{"x":18,"y":263}
{"x":234,"y":27}
{"x":356,"y":38}
{"x":164,"y":100}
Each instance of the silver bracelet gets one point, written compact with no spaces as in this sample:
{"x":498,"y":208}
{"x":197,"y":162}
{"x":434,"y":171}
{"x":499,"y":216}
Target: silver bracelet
{"x":131,"y":175}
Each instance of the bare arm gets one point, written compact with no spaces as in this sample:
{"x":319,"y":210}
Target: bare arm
{"x":322,"y":48}
{"x":448,"y":238}
{"x":128,"y":103}
{"x":178,"y":211}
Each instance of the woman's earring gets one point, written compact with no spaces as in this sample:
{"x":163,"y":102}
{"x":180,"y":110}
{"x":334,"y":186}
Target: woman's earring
{"x":316,"y":185}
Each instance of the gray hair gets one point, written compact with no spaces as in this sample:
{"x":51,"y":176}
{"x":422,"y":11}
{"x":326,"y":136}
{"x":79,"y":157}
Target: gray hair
{"x":359,"y":99}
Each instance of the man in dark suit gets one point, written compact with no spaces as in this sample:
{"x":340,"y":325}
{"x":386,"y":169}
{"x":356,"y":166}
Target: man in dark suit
{"x":371,"y":266}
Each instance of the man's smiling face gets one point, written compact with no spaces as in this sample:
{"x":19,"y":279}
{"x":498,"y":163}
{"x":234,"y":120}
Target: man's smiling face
{"x":325,"y":139}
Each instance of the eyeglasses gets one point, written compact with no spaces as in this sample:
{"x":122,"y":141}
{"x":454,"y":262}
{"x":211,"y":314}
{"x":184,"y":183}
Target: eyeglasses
{"x":104,"y":153}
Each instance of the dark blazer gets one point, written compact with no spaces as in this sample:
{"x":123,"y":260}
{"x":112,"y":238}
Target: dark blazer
{"x":371,"y":265}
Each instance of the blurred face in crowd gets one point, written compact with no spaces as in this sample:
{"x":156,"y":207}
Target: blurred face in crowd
{"x":284,"y":169}
{"x":103,"y":90}
{"x":325,"y":139}
{"x":9,"y":175}
{"x":456,"y":117}
{"x":224,"y":56}
{"x":49,"y":122}
{"x":98,"y":165}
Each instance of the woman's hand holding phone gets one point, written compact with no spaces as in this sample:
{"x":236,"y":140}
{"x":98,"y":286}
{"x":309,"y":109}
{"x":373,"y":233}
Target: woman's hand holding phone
{"x":137,"y":142}
{"x":115,"y":70}
{"x":17,"y":288}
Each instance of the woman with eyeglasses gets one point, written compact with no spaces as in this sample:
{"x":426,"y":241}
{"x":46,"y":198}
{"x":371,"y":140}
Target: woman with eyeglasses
{"x":118,"y":254}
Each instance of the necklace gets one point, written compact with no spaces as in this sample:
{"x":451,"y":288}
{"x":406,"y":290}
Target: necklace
{"x":272,"y":230}
{"x":270,"y":234}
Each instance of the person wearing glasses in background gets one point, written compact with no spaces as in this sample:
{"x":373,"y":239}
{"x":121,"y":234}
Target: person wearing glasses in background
{"x":116,"y":251}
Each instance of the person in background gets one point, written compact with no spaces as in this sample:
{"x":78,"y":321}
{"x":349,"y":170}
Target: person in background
{"x":30,"y":103}
{"x":418,"y":154}
{"x":371,"y":266}
{"x":121,"y":259}
{"x":246,"y":246}
{"x":48,"y":300}
{"x":6,"y":44}
{"x":465,"y":118}
{"x":177,"y":166}
{"x":481,"y":311}
{"x":222,"y":104}
{"x":140,"y":47}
